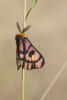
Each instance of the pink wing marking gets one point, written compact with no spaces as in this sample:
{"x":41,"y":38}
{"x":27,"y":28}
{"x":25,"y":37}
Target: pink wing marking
{"x":38,"y":64}
{"x":27,"y":44}
{"x":21,"y":55}
{"x":27,"y":57}
{"x":36,"y":54}
{"x":21,"y":47}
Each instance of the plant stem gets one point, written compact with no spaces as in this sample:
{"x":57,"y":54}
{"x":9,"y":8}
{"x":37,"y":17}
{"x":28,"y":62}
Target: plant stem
{"x":23,"y":70}
{"x":23,"y":78}
{"x":24,"y":23}
{"x":53,"y":82}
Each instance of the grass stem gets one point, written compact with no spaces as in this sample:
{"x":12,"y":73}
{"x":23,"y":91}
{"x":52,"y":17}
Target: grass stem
{"x":53,"y":82}
{"x":23,"y":70}
{"x":23,"y":78}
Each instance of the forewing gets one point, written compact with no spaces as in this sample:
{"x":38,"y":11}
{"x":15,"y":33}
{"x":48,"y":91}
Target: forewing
{"x":34,"y":60}
{"x":19,"y":54}
{"x":27,"y":56}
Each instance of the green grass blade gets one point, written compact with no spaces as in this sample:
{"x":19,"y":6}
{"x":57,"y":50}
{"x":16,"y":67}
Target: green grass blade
{"x":31,"y":6}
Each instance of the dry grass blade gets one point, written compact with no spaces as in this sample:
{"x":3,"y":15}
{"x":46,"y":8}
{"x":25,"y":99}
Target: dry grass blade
{"x":53,"y":82}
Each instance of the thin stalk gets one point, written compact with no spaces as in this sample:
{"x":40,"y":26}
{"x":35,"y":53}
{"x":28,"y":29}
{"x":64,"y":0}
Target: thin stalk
{"x":23,"y":71}
{"x":53,"y":82}
{"x":24,"y":22}
{"x":23,"y":78}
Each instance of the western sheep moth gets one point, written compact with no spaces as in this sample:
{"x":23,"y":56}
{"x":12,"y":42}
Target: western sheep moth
{"x":27,"y":56}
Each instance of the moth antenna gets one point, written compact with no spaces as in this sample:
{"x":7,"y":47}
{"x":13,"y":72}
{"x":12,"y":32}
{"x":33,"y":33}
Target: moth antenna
{"x":25,"y":29}
{"x":18,"y":27}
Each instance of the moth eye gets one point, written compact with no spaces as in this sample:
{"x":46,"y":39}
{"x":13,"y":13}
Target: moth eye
{"x":31,"y":53}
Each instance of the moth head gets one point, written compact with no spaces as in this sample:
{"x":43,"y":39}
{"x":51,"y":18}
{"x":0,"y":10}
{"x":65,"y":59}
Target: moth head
{"x":22,"y":32}
{"x":20,"y":35}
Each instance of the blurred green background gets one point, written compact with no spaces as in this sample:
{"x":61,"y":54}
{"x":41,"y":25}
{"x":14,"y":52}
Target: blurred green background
{"x":49,"y":34}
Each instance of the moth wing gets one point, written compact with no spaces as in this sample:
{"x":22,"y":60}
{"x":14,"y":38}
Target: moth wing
{"x":19,"y":56}
{"x":34,"y":60}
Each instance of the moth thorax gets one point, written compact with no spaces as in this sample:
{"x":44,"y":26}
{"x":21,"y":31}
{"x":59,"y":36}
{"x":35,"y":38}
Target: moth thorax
{"x":21,"y":34}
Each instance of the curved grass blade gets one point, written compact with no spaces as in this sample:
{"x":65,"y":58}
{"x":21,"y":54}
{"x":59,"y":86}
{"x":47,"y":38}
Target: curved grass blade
{"x":31,"y":6}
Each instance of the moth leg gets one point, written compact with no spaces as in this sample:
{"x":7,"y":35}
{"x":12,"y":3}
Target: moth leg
{"x":18,"y":64}
{"x":18,"y":67}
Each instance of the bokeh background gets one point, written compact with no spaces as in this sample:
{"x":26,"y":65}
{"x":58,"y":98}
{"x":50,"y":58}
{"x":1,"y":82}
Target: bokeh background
{"x":49,"y":34}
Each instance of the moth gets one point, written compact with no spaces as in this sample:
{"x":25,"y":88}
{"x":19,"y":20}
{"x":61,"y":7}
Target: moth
{"x":27,"y":56}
